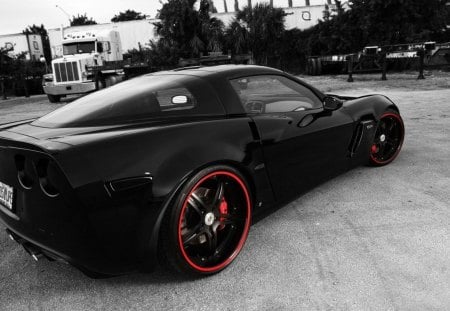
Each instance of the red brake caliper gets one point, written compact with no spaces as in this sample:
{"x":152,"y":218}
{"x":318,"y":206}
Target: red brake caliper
{"x":374,"y":148}
{"x":223,"y":208}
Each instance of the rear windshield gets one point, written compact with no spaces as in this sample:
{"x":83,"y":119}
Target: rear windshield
{"x":141,"y":98}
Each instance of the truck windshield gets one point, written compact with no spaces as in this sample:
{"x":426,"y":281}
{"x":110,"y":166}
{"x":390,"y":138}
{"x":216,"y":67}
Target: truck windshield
{"x":78,"y":48}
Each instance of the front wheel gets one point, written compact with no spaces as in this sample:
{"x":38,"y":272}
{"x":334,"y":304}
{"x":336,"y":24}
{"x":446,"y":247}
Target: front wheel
{"x":209,"y":223}
{"x":54,"y":98}
{"x":388,"y":139}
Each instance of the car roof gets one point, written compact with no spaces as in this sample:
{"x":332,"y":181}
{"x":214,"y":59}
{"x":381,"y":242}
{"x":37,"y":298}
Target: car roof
{"x":220,"y":71}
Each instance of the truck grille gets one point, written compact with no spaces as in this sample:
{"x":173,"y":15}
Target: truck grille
{"x":65,"y":72}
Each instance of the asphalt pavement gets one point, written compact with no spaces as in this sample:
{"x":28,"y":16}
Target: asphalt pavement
{"x":371,"y":239}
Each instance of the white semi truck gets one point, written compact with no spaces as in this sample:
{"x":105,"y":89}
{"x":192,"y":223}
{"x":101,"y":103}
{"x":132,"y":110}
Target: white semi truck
{"x":91,"y":61}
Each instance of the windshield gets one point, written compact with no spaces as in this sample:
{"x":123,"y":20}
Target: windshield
{"x":140,"y":98}
{"x":78,"y":48}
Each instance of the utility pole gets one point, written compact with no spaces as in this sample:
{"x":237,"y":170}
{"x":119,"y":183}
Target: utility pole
{"x":64,"y":11}
{"x":250,"y":4}
{"x":271,"y":3}
{"x":225,"y":6}
{"x":290,"y":3}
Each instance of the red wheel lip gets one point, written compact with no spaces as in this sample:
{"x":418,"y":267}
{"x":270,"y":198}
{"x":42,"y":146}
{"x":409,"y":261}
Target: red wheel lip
{"x":396,"y":116}
{"x":244,"y":233}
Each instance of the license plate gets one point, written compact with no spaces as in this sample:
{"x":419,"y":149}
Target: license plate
{"x":6,"y":196}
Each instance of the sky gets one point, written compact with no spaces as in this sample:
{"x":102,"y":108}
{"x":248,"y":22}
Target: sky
{"x":16,"y":15}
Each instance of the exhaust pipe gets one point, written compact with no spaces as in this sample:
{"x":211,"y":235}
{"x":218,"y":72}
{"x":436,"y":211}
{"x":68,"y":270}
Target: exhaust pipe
{"x":34,"y":252}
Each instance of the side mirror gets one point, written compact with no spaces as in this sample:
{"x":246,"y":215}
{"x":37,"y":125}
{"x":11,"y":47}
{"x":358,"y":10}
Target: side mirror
{"x":331,"y":103}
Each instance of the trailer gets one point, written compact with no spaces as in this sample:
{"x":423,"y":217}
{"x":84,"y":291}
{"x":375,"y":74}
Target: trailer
{"x":374,"y":58}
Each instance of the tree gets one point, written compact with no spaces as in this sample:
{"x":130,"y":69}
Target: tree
{"x":376,"y":22}
{"x":40,"y":30}
{"x":185,"y":32}
{"x":80,"y":20}
{"x":262,"y":28}
{"x":128,"y":15}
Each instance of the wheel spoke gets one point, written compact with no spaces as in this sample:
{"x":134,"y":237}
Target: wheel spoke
{"x":219,"y":194}
{"x":211,"y":236}
{"x":197,"y":203}
{"x":381,"y":150}
{"x":228,"y":219}
{"x":192,"y":234}
{"x":224,"y":243}
{"x":391,"y":126}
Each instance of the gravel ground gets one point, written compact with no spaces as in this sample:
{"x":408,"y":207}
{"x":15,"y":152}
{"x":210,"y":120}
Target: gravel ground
{"x":371,"y":239}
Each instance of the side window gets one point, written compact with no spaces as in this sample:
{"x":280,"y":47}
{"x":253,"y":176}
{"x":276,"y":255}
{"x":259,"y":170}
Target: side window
{"x":178,"y":98}
{"x":272,"y":93}
{"x":99,"y":47}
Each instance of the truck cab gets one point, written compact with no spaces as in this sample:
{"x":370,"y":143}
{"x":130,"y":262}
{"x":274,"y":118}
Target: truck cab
{"x":83,"y":51}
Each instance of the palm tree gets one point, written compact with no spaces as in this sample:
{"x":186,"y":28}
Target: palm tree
{"x":263,"y":31}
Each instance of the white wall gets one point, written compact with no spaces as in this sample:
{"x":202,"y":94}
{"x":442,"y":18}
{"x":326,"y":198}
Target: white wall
{"x":298,"y":17}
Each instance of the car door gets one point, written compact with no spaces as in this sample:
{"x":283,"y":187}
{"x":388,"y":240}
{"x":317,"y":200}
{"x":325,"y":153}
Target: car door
{"x":303,"y":144}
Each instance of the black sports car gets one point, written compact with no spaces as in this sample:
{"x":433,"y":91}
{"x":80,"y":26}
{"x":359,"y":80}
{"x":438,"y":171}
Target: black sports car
{"x":174,"y":165}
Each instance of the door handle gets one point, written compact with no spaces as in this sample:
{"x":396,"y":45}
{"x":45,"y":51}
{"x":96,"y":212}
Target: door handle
{"x":306,"y":120}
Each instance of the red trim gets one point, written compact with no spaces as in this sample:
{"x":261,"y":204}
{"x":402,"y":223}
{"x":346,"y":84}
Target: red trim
{"x":244,"y":233}
{"x":399,"y":119}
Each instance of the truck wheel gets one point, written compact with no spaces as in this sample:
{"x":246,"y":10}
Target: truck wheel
{"x":54,"y":98}
{"x":100,"y":82}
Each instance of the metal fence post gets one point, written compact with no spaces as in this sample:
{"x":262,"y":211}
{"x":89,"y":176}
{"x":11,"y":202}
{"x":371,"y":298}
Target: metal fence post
{"x":421,"y":54}
{"x":2,"y":84}
{"x":384,"y":65}
{"x":350,"y":68}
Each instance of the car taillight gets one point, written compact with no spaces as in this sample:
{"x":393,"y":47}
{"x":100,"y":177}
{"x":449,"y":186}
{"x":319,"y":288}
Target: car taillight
{"x":24,"y":171}
{"x":47,"y":174}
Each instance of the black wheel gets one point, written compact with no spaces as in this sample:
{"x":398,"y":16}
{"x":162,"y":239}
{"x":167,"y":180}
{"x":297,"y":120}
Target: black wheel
{"x":388,"y":139}
{"x":54,"y":98}
{"x":209,"y":223}
{"x":100,"y":82}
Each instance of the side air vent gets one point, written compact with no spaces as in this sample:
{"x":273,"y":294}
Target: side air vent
{"x":24,"y":172}
{"x":45,"y":173}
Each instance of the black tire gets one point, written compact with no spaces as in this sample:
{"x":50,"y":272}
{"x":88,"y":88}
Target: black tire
{"x":54,"y":98}
{"x":200,"y":235}
{"x":100,"y":82}
{"x":388,"y":139}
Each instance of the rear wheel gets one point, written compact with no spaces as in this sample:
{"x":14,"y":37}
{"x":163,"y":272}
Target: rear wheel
{"x":54,"y":98}
{"x":388,"y":139}
{"x":209,"y":223}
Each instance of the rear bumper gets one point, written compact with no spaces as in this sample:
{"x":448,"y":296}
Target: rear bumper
{"x":69,"y":88}
{"x":85,"y":227}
